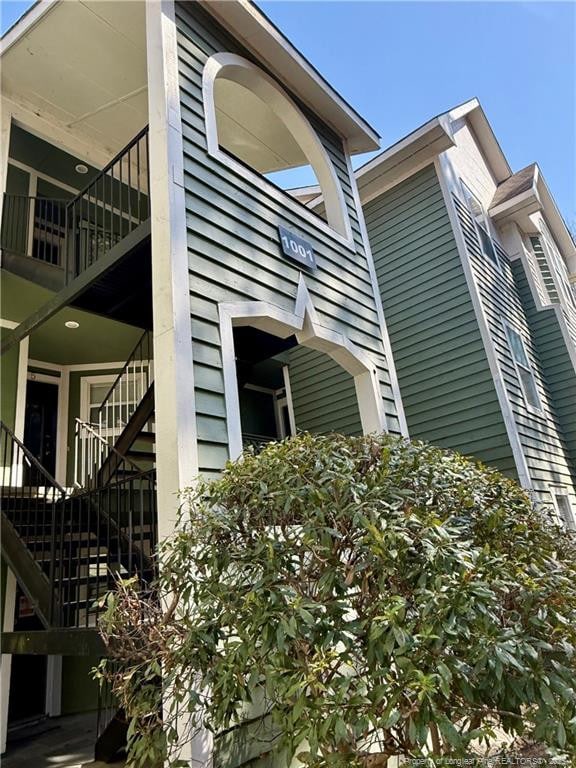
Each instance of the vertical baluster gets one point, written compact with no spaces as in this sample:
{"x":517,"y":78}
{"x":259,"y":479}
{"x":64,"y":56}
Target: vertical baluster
{"x":130,"y":189}
{"x":98,"y":555}
{"x":107,"y":491}
{"x":120,"y":209}
{"x":147,"y":177}
{"x":112,"y":207}
{"x":87,"y":557}
{"x":142,"y":497}
{"x":139,"y":188}
{"x":130,"y":522}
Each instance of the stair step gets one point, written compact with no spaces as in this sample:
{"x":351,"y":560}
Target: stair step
{"x":137,"y":455}
{"x":148,"y":437}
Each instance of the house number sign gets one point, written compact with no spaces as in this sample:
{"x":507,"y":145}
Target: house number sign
{"x":294,"y":247}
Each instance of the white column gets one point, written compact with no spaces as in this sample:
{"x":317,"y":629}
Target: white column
{"x":5,"y":124}
{"x":176,"y":447}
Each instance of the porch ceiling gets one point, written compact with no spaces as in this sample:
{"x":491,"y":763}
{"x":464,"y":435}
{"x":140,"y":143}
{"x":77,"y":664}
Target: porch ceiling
{"x":96,"y":340}
{"x":84,"y":65}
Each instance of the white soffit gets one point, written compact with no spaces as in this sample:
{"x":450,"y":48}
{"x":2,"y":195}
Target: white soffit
{"x":245,"y":22}
{"x":82,"y":63}
{"x":250,"y":130}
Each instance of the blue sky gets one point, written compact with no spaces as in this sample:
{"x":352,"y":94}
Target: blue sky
{"x":401,"y":63}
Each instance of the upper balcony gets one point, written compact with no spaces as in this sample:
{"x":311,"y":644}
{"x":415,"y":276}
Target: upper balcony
{"x":74,"y":117}
{"x":91,"y":243}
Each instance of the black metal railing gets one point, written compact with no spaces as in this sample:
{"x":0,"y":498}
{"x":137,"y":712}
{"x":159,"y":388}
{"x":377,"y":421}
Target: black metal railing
{"x":75,"y":233}
{"x":34,"y":227}
{"x":80,"y":542}
{"x":127,"y":390}
{"x":30,"y":498}
{"x":257,"y":442}
{"x":105,"y":533}
{"x":111,"y":206}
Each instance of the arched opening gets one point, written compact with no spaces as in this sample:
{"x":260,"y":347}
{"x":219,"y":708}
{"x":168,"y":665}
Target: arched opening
{"x":315,"y":379}
{"x":251,"y":119}
{"x":285,"y":387}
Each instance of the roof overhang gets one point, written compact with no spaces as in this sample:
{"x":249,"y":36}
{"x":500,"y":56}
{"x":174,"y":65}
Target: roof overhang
{"x":404,"y":158}
{"x":489,"y":145}
{"x":537,"y":198}
{"x":259,"y":35}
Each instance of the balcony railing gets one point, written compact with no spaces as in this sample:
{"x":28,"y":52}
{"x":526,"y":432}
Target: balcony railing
{"x":111,"y":206}
{"x":35,"y":227}
{"x":74,"y":234}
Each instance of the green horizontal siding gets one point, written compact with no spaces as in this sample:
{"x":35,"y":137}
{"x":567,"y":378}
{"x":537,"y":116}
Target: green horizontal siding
{"x":553,"y":350}
{"x":445,"y":380}
{"x":505,"y":298}
{"x":323,"y":394}
{"x":234,"y":252}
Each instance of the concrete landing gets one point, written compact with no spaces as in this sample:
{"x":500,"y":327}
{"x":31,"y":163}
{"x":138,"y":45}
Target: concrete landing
{"x":66,"y":742}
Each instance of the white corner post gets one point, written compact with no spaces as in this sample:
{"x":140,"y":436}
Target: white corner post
{"x":175,"y":412}
{"x":394,"y":384}
{"x":444,"y":173}
{"x":5,"y":123}
{"x":177,"y":462}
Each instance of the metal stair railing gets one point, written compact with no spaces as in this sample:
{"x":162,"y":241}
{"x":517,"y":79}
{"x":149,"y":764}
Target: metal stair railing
{"x":79,"y":543}
{"x":91,"y":450}
{"x":111,"y":206}
{"x":127,"y":391}
{"x":30,"y":499}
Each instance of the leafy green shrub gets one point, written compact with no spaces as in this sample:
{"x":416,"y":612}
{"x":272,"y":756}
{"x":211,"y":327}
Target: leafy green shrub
{"x":367,"y":596}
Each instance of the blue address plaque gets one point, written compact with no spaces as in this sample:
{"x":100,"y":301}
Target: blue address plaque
{"x":296,"y":248}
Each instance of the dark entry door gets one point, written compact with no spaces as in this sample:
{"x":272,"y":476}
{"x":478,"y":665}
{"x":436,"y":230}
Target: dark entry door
{"x":28,"y":673}
{"x":41,"y":422}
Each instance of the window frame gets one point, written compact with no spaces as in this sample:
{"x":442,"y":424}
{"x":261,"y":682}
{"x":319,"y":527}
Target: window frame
{"x":484,"y":227}
{"x":570,"y":523}
{"x":558,"y":269}
{"x":336,"y":209}
{"x":531,"y":408}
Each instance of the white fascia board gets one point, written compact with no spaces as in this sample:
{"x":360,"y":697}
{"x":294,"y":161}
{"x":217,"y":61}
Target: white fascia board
{"x":463,"y":109}
{"x":527,"y":202}
{"x":247,"y":24}
{"x":25,"y":24}
{"x":489,"y":144}
{"x":404,"y":158}
{"x":556,"y":223}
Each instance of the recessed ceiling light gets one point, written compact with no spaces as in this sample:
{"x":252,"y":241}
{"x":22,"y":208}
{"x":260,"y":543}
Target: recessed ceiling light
{"x":81,"y":168}
{"x":72,"y":324}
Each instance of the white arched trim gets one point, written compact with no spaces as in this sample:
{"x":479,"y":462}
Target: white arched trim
{"x":304,"y":324}
{"x":247,"y":74}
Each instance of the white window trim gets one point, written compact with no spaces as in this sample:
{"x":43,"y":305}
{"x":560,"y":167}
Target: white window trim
{"x":496,"y":261}
{"x":557,"y":266}
{"x":261,"y":84}
{"x":536,"y":410}
{"x":561,"y":491}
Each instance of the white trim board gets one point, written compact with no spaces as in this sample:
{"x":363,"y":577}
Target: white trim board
{"x":394,"y":384}
{"x":497,"y":378}
{"x":304,"y":323}
{"x":260,"y":83}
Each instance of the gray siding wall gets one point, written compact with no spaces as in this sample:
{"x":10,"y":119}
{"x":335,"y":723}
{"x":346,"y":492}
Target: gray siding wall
{"x":234,"y":252}
{"x":315,"y":379}
{"x":543,"y":442}
{"x":445,"y":380}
